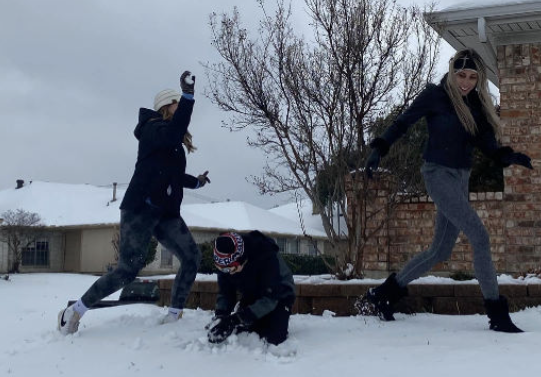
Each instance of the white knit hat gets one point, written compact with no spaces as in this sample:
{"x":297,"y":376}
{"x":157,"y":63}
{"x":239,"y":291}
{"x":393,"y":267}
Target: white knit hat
{"x":165,"y":97}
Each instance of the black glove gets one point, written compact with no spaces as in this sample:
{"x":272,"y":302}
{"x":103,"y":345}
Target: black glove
{"x":224,"y":328}
{"x":517,"y":158}
{"x":203,"y":179}
{"x":229,"y":324}
{"x":380,"y":147}
{"x":506,"y":156}
{"x":187,"y":82}
{"x":215,"y":319}
{"x":372,"y":162}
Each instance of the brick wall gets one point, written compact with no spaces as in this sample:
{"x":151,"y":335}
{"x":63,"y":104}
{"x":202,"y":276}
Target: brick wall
{"x":341,"y":298}
{"x":512,"y":218}
{"x":520,"y":96}
{"x":410,"y":229}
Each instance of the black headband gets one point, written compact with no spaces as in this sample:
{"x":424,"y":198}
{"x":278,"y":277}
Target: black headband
{"x":465,"y":62}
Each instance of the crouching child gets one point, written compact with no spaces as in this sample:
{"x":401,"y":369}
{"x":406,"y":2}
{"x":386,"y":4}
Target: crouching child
{"x":249,"y":265}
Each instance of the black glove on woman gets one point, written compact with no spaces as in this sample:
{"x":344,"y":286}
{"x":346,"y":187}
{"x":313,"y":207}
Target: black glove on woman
{"x":380,"y":147}
{"x":203,"y":179}
{"x":187,"y":82}
{"x":372,"y":162}
{"x":506,"y":156}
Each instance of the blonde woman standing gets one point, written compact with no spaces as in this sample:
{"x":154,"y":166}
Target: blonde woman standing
{"x":460,"y":117}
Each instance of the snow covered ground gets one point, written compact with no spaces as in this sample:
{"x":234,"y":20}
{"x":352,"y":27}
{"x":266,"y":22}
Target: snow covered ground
{"x":128,"y":341}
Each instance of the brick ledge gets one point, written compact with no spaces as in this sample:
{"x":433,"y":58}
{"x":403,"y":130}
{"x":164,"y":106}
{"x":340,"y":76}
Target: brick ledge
{"x":340,"y":298}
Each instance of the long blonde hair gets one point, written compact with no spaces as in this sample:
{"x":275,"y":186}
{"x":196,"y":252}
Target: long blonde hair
{"x":462,"y":110}
{"x":188,"y":138}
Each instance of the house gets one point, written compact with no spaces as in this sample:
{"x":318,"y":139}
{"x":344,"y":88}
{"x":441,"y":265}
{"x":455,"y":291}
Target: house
{"x":80,"y":221}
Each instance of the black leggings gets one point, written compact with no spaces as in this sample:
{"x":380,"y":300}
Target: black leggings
{"x":136,"y":230}
{"x":448,"y":188}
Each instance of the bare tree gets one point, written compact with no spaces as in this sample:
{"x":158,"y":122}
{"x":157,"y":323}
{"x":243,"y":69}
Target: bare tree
{"x":115,"y":242}
{"x":19,"y":230}
{"x":313,"y":103}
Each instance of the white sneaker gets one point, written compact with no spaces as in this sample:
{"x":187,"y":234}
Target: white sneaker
{"x":68,"y":321}
{"x":171,"y":317}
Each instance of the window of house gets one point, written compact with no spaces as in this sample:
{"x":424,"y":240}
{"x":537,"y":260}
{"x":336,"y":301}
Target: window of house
{"x":312,"y":248}
{"x":293,"y":246}
{"x":166,"y":258}
{"x":281,"y":242}
{"x":36,"y":254}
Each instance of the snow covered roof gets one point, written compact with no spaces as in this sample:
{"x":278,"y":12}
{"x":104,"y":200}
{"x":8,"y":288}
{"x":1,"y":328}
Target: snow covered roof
{"x":309,"y":219}
{"x":66,"y":205}
{"x":60,"y":204}
{"x":485,"y":24}
{"x":244,"y":216}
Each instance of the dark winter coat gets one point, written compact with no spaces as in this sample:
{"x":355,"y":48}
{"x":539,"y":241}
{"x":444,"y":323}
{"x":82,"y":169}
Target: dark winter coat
{"x":449,"y":143}
{"x":264,"y":282}
{"x":159,"y":175}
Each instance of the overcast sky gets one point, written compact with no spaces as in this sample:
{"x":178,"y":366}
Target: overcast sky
{"x":73,"y":75}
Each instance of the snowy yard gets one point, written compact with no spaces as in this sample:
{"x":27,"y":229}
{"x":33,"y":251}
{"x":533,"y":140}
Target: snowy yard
{"x":128,"y":341}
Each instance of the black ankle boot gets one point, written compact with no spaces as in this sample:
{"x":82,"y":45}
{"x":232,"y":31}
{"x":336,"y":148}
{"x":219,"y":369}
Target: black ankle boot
{"x":385,"y":297}
{"x":498,"y":314}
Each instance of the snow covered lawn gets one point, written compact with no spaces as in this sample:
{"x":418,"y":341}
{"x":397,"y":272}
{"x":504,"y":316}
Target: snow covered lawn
{"x":128,"y":341}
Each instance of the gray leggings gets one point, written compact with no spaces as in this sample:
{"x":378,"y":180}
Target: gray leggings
{"x":136,"y":230}
{"x":448,"y":188}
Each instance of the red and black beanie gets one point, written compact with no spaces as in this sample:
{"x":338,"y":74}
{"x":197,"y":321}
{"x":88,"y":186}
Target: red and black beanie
{"x":228,"y":249}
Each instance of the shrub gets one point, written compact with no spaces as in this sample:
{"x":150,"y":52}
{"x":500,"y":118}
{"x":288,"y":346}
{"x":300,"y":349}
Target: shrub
{"x":207,"y":263}
{"x":461,"y":276}
{"x":308,"y":264}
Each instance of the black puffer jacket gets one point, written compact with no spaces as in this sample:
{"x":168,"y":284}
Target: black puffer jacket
{"x":159,"y":175}
{"x":449,"y":143}
{"x":264,"y":282}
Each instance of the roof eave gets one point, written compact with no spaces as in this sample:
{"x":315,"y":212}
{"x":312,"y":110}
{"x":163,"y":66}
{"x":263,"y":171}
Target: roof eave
{"x":504,"y":12}
{"x":485,"y":42}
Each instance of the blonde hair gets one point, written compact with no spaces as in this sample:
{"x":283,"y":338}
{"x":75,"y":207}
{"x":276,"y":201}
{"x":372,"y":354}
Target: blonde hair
{"x":462,"y":110}
{"x":188,"y":138}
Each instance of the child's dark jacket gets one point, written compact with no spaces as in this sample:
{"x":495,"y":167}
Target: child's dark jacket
{"x":264,"y":283}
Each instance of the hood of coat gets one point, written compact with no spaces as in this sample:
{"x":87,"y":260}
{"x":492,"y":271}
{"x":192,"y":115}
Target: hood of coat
{"x":144,"y":116}
{"x":258,"y":246}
